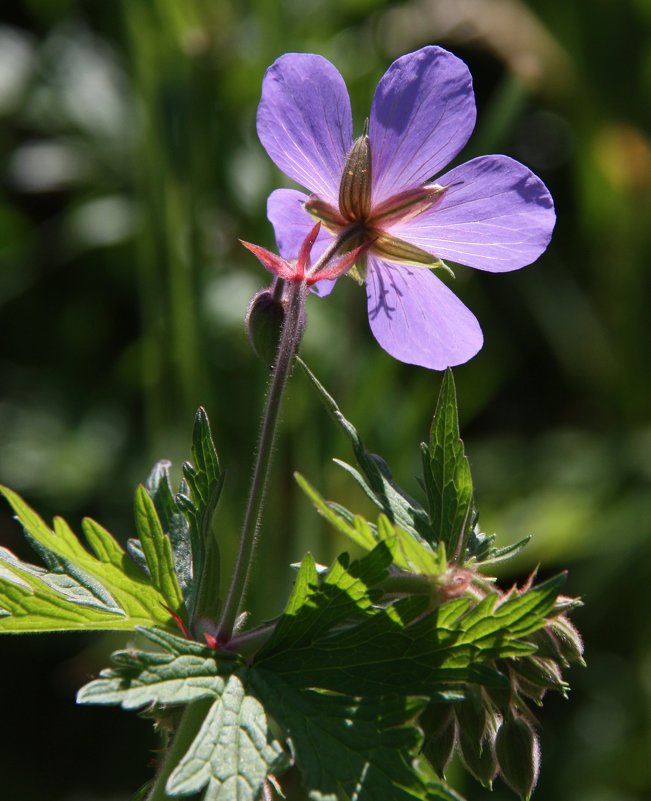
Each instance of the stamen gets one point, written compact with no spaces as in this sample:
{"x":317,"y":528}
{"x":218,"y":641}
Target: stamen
{"x":325,"y":213}
{"x":397,"y":250}
{"x":408,"y":204}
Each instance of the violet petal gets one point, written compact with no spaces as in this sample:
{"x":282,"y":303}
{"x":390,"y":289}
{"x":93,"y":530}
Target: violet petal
{"x":292,"y":224}
{"x":417,"y":319}
{"x":305,"y":122}
{"x":423,"y":113}
{"x":499,"y":217}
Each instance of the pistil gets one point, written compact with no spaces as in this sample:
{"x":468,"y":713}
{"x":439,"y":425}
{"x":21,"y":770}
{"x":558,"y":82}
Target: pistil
{"x":355,"y":185}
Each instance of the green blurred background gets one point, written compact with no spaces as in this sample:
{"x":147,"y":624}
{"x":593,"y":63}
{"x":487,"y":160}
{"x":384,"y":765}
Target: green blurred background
{"x":129,"y":167}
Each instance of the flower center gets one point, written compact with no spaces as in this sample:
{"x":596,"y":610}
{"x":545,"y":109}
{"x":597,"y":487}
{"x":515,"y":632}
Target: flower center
{"x":372,"y":224}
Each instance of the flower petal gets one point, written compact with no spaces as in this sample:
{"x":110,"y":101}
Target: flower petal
{"x":496,"y":216}
{"x":305,"y":122}
{"x":417,"y":319}
{"x":292,"y":224}
{"x":423,"y":113}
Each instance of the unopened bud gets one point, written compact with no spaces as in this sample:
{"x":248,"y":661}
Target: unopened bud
{"x":439,"y":727}
{"x":264,"y":322}
{"x":355,"y":186}
{"x":535,"y":675}
{"x":477,"y":726}
{"x":567,"y":640}
{"x":518,"y":754}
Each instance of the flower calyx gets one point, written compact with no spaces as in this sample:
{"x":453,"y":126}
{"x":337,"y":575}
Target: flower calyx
{"x":302,"y":270}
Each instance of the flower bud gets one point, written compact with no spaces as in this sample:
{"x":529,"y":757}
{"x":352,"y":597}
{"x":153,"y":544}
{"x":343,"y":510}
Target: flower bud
{"x":264,"y":321}
{"x":438,"y":724}
{"x":534,"y":675}
{"x":477,"y":726}
{"x":518,"y":754}
{"x":567,"y":640}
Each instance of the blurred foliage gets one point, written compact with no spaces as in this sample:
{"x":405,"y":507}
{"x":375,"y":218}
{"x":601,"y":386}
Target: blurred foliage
{"x":130,"y":167}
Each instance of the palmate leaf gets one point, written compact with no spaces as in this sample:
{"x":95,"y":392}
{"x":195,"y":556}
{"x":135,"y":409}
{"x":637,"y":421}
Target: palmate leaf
{"x":362,"y":747}
{"x":183,"y":672}
{"x":173,"y":522}
{"x":343,"y":677}
{"x":346,"y":593}
{"x":99,"y":589}
{"x":187,"y":519}
{"x":341,"y":743}
{"x":234,"y":750}
{"x":172,"y":576}
{"x":451,"y":519}
{"x":401,"y":647}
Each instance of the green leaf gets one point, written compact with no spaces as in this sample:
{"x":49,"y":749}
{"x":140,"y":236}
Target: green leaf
{"x":521,"y":613}
{"x":376,"y":479}
{"x":81,"y":590}
{"x":410,"y":551}
{"x":233,"y":752}
{"x":447,"y":474}
{"x":496,"y":555}
{"x":173,"y":521}
{"x":354,"y":527}
{"x":157,"y":550}
{"x":412,"y":554}
{"x":184,"y":672}
{"x":400,"y":647}
{"x":344,"y":593}
{"x":343,"y":677}
{"x":358,"y":745}
{"x":175,"y":559}
{"x":204,"y":479}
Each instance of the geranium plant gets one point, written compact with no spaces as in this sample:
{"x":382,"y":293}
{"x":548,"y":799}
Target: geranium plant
{"x":383,"y":666}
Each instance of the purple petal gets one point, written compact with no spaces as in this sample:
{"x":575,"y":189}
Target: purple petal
{"x":499,"y":217}
{"x":423,"y":113}
{"x":305,"y":122}
{"x":417,"y":319}
{"x":292,"y":224}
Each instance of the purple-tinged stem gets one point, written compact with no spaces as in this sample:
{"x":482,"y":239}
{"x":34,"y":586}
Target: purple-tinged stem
{"x":289,"y":340}
{"x":295,"y":297}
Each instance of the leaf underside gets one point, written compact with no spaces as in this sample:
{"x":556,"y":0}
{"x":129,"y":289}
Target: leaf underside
{"x":80,"y":589}
{"x":104,"y":587}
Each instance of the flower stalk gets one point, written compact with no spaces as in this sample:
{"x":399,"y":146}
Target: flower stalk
{"x":296,"y":294}
{"x":296,"y":281}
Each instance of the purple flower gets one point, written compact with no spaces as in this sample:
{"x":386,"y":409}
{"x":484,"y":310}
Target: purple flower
{"x":490,"y":213}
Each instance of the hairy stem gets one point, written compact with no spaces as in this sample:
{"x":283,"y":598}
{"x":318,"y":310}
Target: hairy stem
{"x":289,"y":341}
{"x":408,"y":583}
{"x":296,"y":294}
